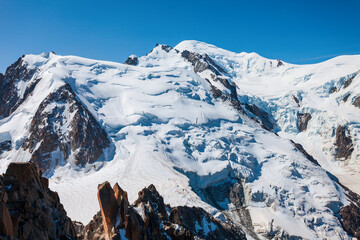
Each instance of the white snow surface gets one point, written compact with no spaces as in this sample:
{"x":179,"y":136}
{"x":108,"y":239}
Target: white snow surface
{"x":162,"y":117}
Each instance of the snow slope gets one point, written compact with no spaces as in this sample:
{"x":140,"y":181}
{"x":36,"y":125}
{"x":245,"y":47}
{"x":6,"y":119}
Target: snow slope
{"x":273,"y":89}
{"x":169,"y":130}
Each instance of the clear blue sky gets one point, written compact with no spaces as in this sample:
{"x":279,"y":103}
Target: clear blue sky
{"x":293,"y":30}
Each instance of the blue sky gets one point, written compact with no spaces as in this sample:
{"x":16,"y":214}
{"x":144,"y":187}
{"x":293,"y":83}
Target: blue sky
{"x":294,"y":31}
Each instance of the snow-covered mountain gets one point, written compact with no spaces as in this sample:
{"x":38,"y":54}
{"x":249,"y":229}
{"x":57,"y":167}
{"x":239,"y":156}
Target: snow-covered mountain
{"x":269,"y":146}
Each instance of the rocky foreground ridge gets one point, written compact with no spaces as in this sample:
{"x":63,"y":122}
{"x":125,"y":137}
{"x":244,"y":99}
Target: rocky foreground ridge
{"x":30,"y":210}
{"x":150,"y":218}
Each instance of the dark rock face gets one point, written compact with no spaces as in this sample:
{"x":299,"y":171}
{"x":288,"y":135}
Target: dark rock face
{"x":202,"y":62}
{"x":5,"y":146}
{"x":346,"y":97}
{"x":332,"y":90}
{"x":350,"y":214}
{"x":61,"y":125}
{"x":348,"y":81}
{"x":234,"y":102}
{"x":221,"y":194}
{"x":265,"y":118}
{"x":6,"y":225}
{"x":225,"y":191}
{"x":343,"y":143}
{"x":150,"y":218}
{"x":166,"y":48}
{"x":94,"y":230}
{"x":132,"y":60}
{"x":296,"y":100}
{"x":356,"y":102}
{"x":187,"y":216}
{"x":79,"y":229}
{"x":163,"y":47}
{"x":232,"y":97}
{"x":29,"y":209}
{"x":303,"y":120}
{"x":108,"y":207}
{"x":299,"y":147}
{"x":279,"y":63}
{"x":9,"y":94}
{"x":225,"y":82}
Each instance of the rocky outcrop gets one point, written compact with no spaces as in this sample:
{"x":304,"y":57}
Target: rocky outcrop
{"x":303,"y":120}
{"x":350,"y":214}
{"x":356,"y":102}
{"x":5,"y":146}
{"x":10,"y":97}
{"x":165,"y":47}
{"x":150,"y":218}
{"x":202,"y":62}
{"x":266,"y":119}
{"x":63,"y":126}
{"x":132,"y":60}
{"x":346,"y":97}
{"x":279,"y":63}
{"x":296,"y":100}
{"x":210,"y":229}
{"x":299,"y":147}
{"x":229,"y":197}
{"x":343,"y":143}
{"x":6,"y":225}
{"x":108,"y":207}
{"x":234,"y":102}
{"x":332,"y":90}
{"x":29,"y":209}
{"x":349,"y":81}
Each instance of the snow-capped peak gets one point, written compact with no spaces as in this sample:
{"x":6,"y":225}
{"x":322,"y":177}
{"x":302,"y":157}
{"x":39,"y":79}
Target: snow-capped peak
{"x":208,"y":127}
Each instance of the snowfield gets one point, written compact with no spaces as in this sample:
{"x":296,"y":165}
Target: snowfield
{"x":167,"y":129}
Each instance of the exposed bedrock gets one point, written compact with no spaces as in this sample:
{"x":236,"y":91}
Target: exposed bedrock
{"x":150,"y":218}
{"x":303,"y":120}
{"x":349,"y":81}
{"x":267,"y":121}
{"x":350,"y":214}
{"x":343,"y":143}
{"x":29,"y":209}
{"x":63,"y":126}
{"x":5,"y":146}
{"x":299,"y":147}
{"x":132,"y":60}
{"x":202,"y":62}
{"x":10,"y":98}
{"x":356,"y":102}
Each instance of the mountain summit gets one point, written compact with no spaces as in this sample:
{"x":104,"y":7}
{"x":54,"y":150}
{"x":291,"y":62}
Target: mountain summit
{"x":266,"y":146}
